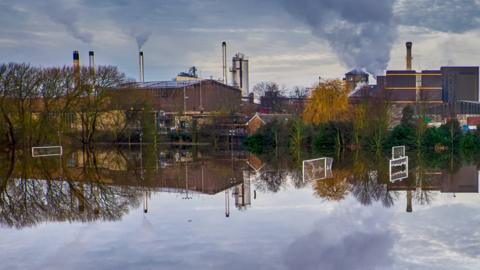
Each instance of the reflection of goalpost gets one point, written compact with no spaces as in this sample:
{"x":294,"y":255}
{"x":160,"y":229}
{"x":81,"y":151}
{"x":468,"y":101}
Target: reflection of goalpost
{"x":398,"y":164}
{"x":398,"y":152}
{"x":317,"y":169}
{"x":47,"y":151}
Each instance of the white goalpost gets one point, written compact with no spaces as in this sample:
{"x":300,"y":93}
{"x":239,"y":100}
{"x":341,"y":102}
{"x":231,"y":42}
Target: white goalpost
{"x":47,"y":151}
{"x":398,"y":168}
{"x":317,"y":169}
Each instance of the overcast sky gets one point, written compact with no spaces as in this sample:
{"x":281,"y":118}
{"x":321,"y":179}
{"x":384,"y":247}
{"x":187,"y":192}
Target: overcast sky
{"x":292,"y":42}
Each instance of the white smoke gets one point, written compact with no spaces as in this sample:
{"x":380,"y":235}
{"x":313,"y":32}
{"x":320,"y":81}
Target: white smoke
{"x":68,"y":17}
{"x":358,"y":87}
{"x":361,"y":33}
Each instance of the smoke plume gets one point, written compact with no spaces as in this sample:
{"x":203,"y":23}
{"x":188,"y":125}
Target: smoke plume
{"x":360,"y":33}
{"x":142,"y":38}
{"x":68,"y":17}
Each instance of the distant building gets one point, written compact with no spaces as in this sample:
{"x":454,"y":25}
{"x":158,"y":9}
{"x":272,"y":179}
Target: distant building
{"x":460,"y":83}
{"x":355,"y":78}
{"x":261,"y":119}
{"x":275,"y":102}
{"x":190,"y":75}
{"x":409,"y":86}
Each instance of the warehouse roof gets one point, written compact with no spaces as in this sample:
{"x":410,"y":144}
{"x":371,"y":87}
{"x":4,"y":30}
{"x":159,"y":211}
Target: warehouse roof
{"x":161,"y":84}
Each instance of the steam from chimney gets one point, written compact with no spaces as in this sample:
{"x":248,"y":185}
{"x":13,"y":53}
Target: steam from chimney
{"x":142,"y":38}
{"x":68,"y":17}
{"x":361,"y":33}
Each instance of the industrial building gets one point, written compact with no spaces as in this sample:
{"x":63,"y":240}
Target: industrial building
{"x":355,"y":78}
{"x":450,"y":91}
{"x":185,"y":96}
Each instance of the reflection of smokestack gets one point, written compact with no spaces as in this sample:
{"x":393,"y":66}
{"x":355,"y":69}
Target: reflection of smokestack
{"x":91,"y":59}
{"x":76,"y":67}
{"x":141,"y":66}
{"x":227,"y":203}
{"x":409,"y":55}
{"x":409,"y":201}
{"x":145,"y":202}
{"x":224,"y":62}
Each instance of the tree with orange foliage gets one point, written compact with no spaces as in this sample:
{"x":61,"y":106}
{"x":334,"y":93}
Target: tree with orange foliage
{"x":328,"y":102}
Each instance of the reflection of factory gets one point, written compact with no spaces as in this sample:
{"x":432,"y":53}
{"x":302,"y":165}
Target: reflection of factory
{"x":465,"y":180}
{"x":242,"y":194}
{"x":119,"y":180}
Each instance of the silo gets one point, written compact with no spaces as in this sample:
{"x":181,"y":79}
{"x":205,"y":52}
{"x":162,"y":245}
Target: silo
{"x":240,"y":73}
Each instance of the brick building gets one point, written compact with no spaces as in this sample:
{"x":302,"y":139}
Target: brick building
{"x":188,"y":96}
{"x":261,"y":119}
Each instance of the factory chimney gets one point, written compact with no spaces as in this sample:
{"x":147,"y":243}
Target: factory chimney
{"x":409,"y":55}
{"x":76,"y":61}
{"x":91,"y":59}
{"x":224,"y":62}
{"x":76,"y":67}
{"x":141,"y":67}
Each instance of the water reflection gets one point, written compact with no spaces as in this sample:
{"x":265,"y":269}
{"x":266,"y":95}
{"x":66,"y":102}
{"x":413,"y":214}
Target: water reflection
{"x":106,"y":183}
{"x":103,"y":184}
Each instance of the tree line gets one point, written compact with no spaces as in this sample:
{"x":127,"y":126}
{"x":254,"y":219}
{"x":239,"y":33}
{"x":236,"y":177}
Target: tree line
{"x":39,"y":104}
{"x":330,"y":122}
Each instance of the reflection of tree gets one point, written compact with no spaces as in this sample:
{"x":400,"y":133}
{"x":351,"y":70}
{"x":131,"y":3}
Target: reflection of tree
{"x":366,"y":181}
{"x":27,"y":202}
{"x":271,"y":180}
{"x":333,"y":189}
{"x":423,"y":197}
{"x":37,"y":191}
{"x":297,"y":178}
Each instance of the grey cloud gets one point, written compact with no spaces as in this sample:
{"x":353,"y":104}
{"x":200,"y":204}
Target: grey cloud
{"x":188,"y":32}
{"x":68,"y":17}
{"x":358,"y":250}
{"x":361,"y":33}
{"x":345,"y":239}
{"x":446,"y":16}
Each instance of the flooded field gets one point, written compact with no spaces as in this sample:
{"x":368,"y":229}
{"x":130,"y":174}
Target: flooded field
{"x":189,"y":208}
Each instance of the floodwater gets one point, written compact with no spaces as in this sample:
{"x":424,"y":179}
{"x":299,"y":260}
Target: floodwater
{"x":200,"y":209}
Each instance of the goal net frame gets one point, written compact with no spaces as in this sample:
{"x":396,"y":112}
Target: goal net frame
{"x":326,"y":169}
{"x":40,"y":148}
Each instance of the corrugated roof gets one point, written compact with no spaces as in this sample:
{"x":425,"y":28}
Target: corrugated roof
{"x":161,"y":84}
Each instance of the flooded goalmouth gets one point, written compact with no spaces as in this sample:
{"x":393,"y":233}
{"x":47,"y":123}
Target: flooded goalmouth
{"x":317,"y":169}
{"x":47,"y":151}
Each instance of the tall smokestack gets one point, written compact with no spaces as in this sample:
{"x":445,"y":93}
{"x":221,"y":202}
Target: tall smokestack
{"x":141,"y":67}
{"x":224,"y":62}
{"x":91,"y":59}
{"x":76,"y":60}
{"x":76,"y":67}
{"x":409,"y":55}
